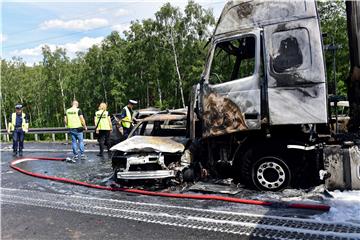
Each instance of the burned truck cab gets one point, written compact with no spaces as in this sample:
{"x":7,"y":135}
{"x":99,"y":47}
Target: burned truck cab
{"x":263,"y":90}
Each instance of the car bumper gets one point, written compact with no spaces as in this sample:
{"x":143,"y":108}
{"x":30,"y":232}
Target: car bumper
{"x":136,"y":175}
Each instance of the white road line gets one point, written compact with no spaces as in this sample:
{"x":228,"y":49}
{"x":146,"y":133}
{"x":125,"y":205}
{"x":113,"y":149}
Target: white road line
{"x":160,"y":214}
{"x":173,"y":220}
{"x":178,"y":207}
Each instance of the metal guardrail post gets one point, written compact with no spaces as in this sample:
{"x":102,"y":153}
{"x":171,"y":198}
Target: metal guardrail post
{"x":36,"y":137}
{"x":53,"y":137}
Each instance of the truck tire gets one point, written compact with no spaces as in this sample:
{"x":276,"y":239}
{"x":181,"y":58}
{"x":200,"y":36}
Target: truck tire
{"x":265,"y":171}
{"x":270,"y":173}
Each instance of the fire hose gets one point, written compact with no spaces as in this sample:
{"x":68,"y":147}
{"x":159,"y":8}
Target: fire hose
{"x":13,"y":164}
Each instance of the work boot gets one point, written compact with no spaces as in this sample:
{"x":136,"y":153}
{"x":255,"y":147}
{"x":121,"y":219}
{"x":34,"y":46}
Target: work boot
{"x":100,"y":154}
{"x":70,"y":160}
{"x":83,"y":157}
{"x":14,"y":153}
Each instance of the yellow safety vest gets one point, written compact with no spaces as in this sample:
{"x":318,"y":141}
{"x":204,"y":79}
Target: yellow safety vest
{"x":24,"y":125}
{"x":127,"y":120}
{"x":104,"y":122}
{"x":73,"y":118}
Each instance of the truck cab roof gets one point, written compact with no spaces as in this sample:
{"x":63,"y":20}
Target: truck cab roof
{"x":244,"y":14}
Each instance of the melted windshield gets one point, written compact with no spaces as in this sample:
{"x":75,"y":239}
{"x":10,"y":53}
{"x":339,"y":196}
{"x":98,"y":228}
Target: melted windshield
{"x":160,"y":128}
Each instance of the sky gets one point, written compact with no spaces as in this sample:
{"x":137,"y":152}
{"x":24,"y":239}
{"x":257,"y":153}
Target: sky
{"x":75,"y":25}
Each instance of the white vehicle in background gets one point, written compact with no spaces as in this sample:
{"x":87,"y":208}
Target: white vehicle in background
{"x":340,"y":116}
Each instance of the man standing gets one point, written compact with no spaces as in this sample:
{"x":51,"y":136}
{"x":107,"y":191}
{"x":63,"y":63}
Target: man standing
{"x":75,"y":121}
{"x":127,"y":117}
{"x":19,"y":125}
{"x":103,"y":127}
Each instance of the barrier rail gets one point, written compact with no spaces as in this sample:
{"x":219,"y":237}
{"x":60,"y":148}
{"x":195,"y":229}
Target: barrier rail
{"x":53,"y":131}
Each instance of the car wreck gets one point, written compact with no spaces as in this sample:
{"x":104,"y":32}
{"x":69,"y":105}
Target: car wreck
{"x":116,"y":135}
{"x":155,"y":149}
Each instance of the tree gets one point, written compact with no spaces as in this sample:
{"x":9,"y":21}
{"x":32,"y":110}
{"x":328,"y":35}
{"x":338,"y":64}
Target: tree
{"x":156,"y":61}
{"x":353,"y":81}
{"x":168,"y":21}
{"x":333,"y":23}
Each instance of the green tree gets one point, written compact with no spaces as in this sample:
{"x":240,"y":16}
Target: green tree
{"x":333,"y":22}
{"x":156,"y":61}
{"x":55,"y":65}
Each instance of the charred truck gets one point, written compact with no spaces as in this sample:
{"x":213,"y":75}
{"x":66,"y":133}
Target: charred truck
{"x":260,"y":112}
{"x":262,"y":101}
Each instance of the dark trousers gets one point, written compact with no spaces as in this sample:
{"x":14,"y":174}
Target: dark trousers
{"x":18,"y":139}
{"x":103,"y":139}
{"x":126,"y":132}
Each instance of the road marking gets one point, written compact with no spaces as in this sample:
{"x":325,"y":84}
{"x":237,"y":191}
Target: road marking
{"x":272,"y":227}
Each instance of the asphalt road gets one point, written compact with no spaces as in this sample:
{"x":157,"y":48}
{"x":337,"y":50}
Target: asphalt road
{"x":34,"y":208}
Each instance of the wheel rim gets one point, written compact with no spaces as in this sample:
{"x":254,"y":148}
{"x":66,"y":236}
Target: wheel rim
{"x":270,"y":174}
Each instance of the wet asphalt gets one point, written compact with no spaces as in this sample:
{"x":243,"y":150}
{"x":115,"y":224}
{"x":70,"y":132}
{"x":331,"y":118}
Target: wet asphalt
{"x":34,"y":221}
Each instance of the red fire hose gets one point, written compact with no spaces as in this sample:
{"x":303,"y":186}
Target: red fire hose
{"x":13,"y":164}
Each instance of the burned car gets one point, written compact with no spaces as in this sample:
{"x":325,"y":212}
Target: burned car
{"x":155,"y":149}
{"x":116,"y":135}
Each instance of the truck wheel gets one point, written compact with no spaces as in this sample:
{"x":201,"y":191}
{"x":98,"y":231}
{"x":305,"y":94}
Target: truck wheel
{"x":270,"y":173}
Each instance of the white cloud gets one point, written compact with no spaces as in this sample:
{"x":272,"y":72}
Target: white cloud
{"x":71,"y":48}
{"x":3,"y":38}
{"x":36,"y":51}
{"x":121,"y":27}
{"x":102,"y":9}
{"x":121,"y":12}
{"x":77,"y":24}
{"x":82,"y":45}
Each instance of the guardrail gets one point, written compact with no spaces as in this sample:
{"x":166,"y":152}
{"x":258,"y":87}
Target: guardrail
{"x":53,"y":131}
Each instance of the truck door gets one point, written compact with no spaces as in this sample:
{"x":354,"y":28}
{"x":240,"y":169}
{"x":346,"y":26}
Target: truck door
{"x":295,"y":73}
{"x":230,"y":93}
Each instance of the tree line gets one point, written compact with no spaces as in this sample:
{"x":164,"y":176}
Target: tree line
{"x":155,"y":62}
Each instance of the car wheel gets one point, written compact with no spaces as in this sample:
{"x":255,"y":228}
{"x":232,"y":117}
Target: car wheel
{"x":270,"y":173}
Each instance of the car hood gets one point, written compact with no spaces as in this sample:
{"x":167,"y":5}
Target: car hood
{"x":151,"y":144}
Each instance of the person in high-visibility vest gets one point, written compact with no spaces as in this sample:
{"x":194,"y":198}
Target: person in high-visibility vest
{"x":18,"y":125}
{"x":127,"y":117}
{"x":75,"y":121}
{"x":103,"y":127}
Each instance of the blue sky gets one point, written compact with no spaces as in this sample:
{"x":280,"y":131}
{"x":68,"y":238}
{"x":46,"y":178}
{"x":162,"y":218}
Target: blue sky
{"x":26,"y":26}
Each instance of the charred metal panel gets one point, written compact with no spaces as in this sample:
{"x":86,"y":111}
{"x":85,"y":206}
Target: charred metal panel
{"x":343,"y":167}
{"x":296,"y":73}
{"x":165,"y":117}
{"x":249,"y":103}
{"x":294,"y":53}
{"x":234,"y":105}
{"x":334,"y":165}
{"x":245,"y":14}
{"x":289,"y":54}
{"x":220,"y":115}
{"x":297,"y":105}
{"x":151,"y":144}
